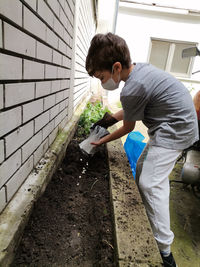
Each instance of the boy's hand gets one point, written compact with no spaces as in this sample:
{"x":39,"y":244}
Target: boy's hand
{"x":96,"y":143}
{"x":107,"y":121}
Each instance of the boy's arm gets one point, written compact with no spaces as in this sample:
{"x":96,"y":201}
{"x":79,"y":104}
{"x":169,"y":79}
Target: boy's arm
{"x":127,"y":127}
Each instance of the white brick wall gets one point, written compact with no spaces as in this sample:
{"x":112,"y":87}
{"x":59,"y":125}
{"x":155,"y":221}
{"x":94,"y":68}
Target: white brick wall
{"x":18,"y":93}
{"x":32,"y":109}
{"x":9,"y":120}
{"x":1,"y":96}
{"x":9,"y":167}
{"x":10,"y":67}
{"x":1,"y":151}
{"x":43,"y":88}
{"x":40,"y":151}
{"x":48,"y":129}
{"x":34,"y":25}
{"x":2,"y":198}
{"x":49,"y":101}
{"x":27,"y":47}
{"x":45,"y":12}
{"x":44,"y":52}
{"x":36,"y":38}
{"x":41,"y":121}
{"x":1,"y":42}
{"x":31,"y":3}
{"x":18,"y":178}
{"x":16,"y":139}
{"x":33,"y":70}
{"x":31,"y":146}
{"x":12,"y":10}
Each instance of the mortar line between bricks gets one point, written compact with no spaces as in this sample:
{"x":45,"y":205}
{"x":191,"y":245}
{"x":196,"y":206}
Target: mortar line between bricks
{"x":33,"y":59}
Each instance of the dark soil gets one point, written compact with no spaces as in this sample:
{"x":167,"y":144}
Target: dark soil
{"x":71,"y":223}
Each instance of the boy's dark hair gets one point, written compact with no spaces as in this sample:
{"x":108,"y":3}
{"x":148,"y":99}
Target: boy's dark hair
{"x":104,"y":51}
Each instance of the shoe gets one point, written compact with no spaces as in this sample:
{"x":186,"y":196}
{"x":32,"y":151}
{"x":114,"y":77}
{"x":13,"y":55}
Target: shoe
{"x":169,"y":261}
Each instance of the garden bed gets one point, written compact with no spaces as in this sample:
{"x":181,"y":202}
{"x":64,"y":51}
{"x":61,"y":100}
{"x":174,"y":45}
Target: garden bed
{"x":71,"y":223}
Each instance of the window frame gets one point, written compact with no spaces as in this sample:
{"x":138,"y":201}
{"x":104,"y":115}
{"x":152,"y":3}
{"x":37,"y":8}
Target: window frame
{"x":172,"y":44}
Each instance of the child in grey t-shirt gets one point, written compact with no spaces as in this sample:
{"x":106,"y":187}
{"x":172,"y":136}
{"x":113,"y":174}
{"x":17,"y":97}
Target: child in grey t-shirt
{"x":165,"y":107}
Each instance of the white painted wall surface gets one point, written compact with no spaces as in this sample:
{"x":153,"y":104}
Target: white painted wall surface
{"x":137,"y":24}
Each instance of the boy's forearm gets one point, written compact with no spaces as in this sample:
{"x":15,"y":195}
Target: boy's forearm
{"x":116,"y":134}
{"x":119,"y":115}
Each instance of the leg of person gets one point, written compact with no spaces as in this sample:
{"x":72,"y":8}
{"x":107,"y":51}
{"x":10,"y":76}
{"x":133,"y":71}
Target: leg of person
{"x":153,"y":168}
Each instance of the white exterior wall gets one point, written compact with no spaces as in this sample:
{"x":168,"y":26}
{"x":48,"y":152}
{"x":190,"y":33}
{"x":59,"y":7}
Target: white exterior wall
{"x":138,"y":25}
{"x":37,"y":90}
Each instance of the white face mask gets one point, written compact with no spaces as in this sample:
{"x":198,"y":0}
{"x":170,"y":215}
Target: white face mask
{"x":111,"y":84}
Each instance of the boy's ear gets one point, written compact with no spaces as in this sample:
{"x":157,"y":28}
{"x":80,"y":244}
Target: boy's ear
{"x":117,"y":66}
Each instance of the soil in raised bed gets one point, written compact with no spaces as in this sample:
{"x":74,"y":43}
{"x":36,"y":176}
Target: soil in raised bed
{"x":71,"y":223}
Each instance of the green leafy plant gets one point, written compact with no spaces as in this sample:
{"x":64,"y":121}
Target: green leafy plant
{"x":92,"y":113}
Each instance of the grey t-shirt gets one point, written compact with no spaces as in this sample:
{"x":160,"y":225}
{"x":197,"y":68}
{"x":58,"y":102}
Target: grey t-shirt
{"x":163,"y":104}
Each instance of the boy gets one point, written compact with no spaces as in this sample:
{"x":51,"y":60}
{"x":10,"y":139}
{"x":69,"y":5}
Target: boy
{"x":165,"y":107}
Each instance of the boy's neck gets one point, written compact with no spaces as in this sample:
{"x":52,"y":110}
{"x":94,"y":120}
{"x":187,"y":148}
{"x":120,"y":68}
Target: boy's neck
{"x":125,"y":72}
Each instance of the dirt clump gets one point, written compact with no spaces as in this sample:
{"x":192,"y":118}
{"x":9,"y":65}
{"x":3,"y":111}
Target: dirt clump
{"x":71,"y":223}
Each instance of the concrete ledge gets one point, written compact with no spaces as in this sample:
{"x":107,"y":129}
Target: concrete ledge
{"x":135,"y":243}
{"x":15,"y":216}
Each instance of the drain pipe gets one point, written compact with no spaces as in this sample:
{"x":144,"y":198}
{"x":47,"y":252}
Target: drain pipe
{"x":116,"y":14}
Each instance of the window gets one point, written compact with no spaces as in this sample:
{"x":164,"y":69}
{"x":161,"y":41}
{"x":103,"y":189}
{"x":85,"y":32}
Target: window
{"x":167,"y":55}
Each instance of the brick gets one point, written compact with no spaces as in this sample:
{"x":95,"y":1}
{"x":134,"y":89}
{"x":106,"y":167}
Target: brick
{"x":67,"y":37}
{"x":16,"y":139}
{"x":43,"y":88}
{"x":50,"y":72}
{"x":33,"y":70}
{"x":56,"y":86}
{"x":62,"y":46}
{"x":12,"y":10}
{"x":49,"y":101}
{"x":54,"y":6}
{"x":9,"y":167}
{"x":64,"y":122}
{"x":59,"y":97}
{"x":47,"y":129}
{"x":66,"y":93}
{"x":27,"y":47}
{"x":52,"y":38}
{"x":1,"y":39}
{"x":1,"y":151}
{"x":54,"y":111}
{"x":64,"y":84}
{"x":58,"y":28}
{"x":57,"y":58}
{"x":58,"y":119}
{"x":31,"y":146}
{"x":2,"y":198}
{"x":53,"y":135}
{"x":10,"y":67}
{"x":31,"y":3}
{"x":45,"y":12}
{"x":1,"y":96}
{"x":18,"y":178}
{"x":63,"y":18}
{"x":63,"y":73}
{"x":41,"y":121}
{"x":39,"y":153}
{"x":34,"y":25}
{"x":66,"y":62}
{"x":10,"y":120}
{"x":44,"y":52}
{"x":32,"y":109}
{"x":18,"y":93}
{"x":62,"y":105}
